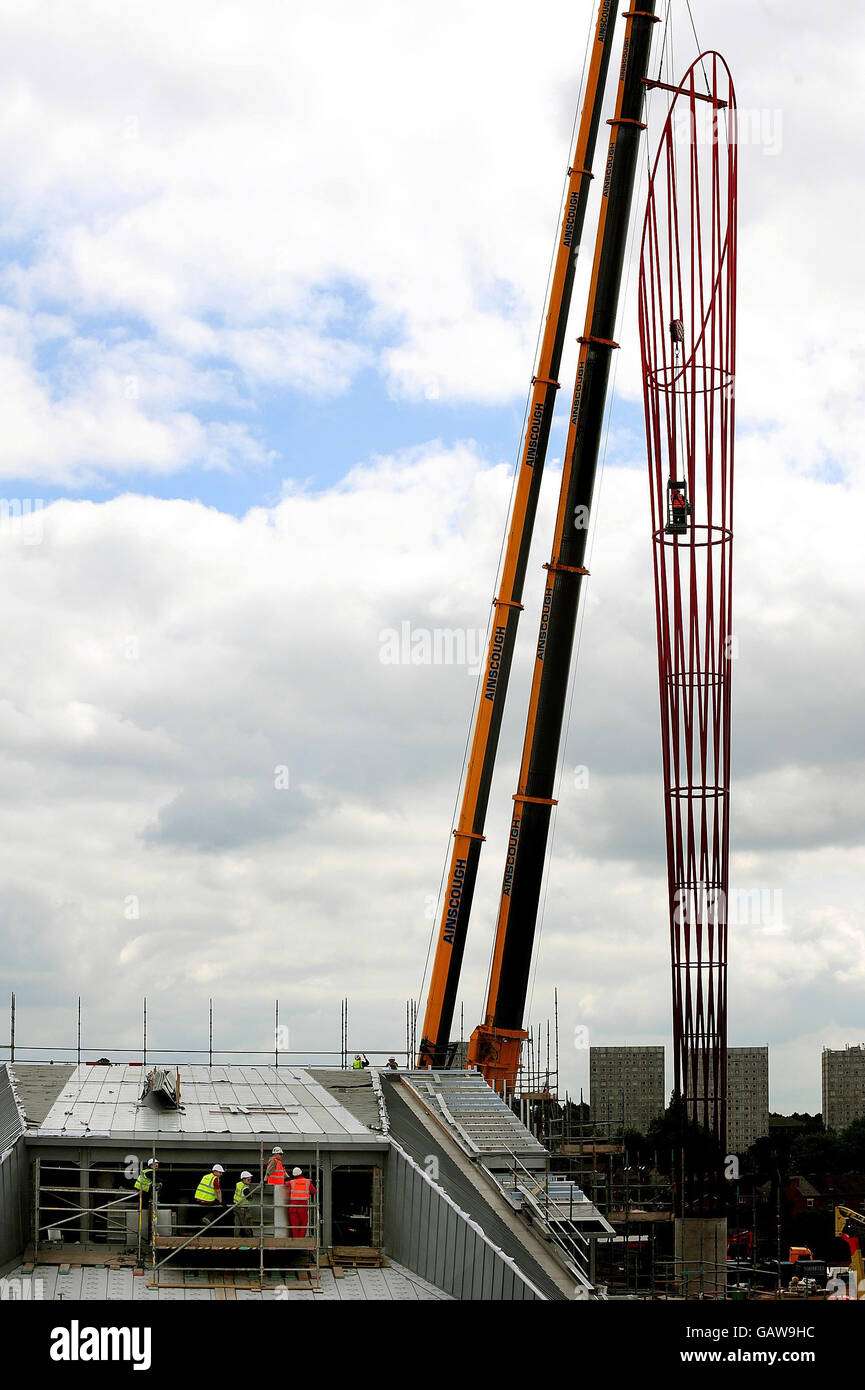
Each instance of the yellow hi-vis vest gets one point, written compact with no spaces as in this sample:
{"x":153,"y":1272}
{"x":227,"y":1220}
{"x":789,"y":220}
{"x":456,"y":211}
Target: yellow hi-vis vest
{"x":206,"y":1189}
{"x":357,"y":1064}
{"x":240,"y":1195}
{"x":142,"y":1182}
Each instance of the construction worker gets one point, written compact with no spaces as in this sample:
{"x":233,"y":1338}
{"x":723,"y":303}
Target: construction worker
{"x":275,"y":1173}
{"x":208,"y":1193}
{"x":360,"y":1061}
{"x":145,"y":1175}
{"x":143,"y":1183}
{"x":276,"y":1177}
{"x":241,"y":1205}
{"x":392,"y":1064}
{"x":301,"y":1191}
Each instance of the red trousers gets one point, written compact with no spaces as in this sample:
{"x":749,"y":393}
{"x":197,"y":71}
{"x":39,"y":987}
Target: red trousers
{"x":298,"y":1218}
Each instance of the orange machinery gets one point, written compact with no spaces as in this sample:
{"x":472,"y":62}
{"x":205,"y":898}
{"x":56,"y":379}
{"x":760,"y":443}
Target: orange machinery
{"x":495,"y":1044}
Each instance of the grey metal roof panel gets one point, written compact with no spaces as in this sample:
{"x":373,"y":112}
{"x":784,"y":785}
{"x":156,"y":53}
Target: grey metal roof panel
{"x":394,"y":1283}
{"x":353,"y":1090}
{"x":220,"y":1101}
{"x":37,"y":1085}
{"x":480,"y":1121}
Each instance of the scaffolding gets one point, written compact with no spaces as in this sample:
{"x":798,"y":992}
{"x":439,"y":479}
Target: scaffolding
{"x":157,"y":1230}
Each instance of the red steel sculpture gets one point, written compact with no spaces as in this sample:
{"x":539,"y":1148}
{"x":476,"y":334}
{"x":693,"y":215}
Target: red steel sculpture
{"x":687,"y":314}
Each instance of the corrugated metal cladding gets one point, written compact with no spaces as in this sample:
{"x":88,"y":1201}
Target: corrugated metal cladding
{"x":424,"y":1231}
{"x":13,"y":1203}
{"x":413,"y":1136}
{"x":11,"y":1123}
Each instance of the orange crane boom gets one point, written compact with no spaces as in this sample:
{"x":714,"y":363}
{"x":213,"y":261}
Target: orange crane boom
{"x":495,"y":1043}
{"x":468,"y":835}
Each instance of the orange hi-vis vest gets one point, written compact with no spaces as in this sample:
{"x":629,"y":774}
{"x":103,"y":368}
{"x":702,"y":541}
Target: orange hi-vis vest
{"x":300,"y":1189}
{"x":277,"y":1177}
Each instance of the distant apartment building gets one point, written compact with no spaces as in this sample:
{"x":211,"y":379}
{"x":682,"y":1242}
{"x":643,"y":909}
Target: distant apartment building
{"x":843,"y":1085}
{"x":747,"y":1096}
{"x":626,"y":1086}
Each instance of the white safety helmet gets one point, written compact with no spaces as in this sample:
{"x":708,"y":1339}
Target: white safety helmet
{"x":277,"y":1150}
{"x":152,"y":1163}
{"x":245,"y":1174}
{"x":217,"y":1168}
{"x":296,"y":1173}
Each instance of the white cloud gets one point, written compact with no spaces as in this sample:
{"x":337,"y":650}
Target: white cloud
{"x":164,"y":660}
{"x":295,"y":196}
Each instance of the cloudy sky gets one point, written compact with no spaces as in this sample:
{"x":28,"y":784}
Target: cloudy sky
{"x":270,"y":283}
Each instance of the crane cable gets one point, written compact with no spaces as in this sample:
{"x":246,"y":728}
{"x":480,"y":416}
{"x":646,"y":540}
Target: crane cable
{"x":434,"y":925}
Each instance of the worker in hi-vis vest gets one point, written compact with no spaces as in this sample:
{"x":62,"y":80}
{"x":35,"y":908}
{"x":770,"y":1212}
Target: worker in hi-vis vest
{"x":275,"y":1173}
{"x":143,"y":1183}
{"x":208,"y":1193}
{"x":301,"y":1192}
{"x":276,"y":1177}
{"x":360,"y":1062}
{"x":145,"y":1175}
{"x":242,"y":1225}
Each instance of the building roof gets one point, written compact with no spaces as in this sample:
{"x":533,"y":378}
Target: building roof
{"x":354,"y":1090}
{"x":92,"y":1283}
{"x":233,"y":1102}
{"x":37,"y":1086}
{"x":806,"y":1188}
{"x":476,"y":1116}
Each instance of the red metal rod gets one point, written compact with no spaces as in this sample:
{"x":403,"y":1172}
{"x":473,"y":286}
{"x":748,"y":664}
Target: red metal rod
{"x":687,"y":315}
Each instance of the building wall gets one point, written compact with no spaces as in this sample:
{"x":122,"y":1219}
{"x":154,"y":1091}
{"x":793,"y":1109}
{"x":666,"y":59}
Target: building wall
{"x":626,"y":1086}
{"x":747,"y":1096}
{"x":431,"y":1235}
{"x":13,"y":1203}
{"x":843,"y":1086}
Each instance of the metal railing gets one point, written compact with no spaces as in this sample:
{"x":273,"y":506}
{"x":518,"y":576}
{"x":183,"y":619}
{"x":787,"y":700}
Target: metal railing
{"x":548,"y":1212}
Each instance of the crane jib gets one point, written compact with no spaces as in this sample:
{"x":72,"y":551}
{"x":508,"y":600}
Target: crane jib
{"x":474,"y":799}
{"x":534,"y":435}
{"x":495,"y":1043}
{"x":495,"y":663}
{"x":454,"y":896}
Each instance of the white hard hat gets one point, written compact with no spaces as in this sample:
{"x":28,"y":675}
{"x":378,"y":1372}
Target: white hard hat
{"x":277,"y":1150}
{"x":245,"y":1174}
{"x":217,"y":1168}
{"x":152,"y":1163}
{"x":296,"y":1173}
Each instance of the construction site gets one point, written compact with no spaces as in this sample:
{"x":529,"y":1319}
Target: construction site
{"x":457,"y":1167}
